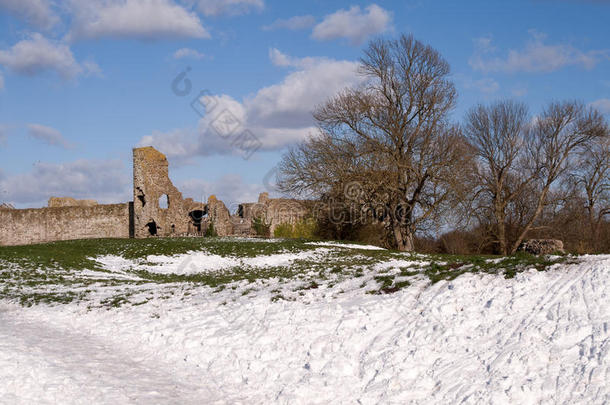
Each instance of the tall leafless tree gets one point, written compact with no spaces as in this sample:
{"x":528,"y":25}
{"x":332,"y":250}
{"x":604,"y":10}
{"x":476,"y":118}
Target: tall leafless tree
{"x":388,"y":144}
{"x":590,"y":179}
{"x":522,"y":160}
{"x":498,"y":134}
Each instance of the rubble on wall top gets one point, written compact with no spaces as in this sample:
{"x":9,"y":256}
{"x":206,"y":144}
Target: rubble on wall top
{"x":70,"y":202}
{"x":149,"y":153}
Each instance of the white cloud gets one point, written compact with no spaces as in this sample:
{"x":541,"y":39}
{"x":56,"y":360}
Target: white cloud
{"x":91,"y":68}
{"x":536,"y":56}
{"x":176,"y":143}
{"x":37,"y":54}
{"x":230,"y":189}
{"x":290,"y":103}
{"x":209,"y":138}
{"x":484,"y":44}
{"x":298,"y":22}
{"x":1,"y":82}
{"x":353,"y":24}
{"x":35,"y":12}
{"x":278,"y":115}
{"x":104,"y":181}
{"x":485,"y":85}
{"x":48,"y":135}
{"x":602,"y":105}
{"x":278,"y":58}
{"x":188,"y":53}
{"x":139,"y":19}
{"x":229,"y":7}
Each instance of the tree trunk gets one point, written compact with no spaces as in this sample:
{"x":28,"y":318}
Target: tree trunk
{"x":596,"y":225}
{"x":403,"y":237}
{"x":400,"y":243}
{"x":501,"y":229}
{"x":529,"y":224}
{"x":409,"y":242}
{"x":502,"y":237}
{"x":592,"y":228}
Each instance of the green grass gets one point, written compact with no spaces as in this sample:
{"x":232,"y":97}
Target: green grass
{"x":52,"y":273}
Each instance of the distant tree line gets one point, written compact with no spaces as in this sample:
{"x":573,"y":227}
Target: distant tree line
{"x":392,"y":168}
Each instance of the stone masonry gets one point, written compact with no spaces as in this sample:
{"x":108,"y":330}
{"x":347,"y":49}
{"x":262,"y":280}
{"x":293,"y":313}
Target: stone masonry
{"x":542,"y":246}
{"x":70,"y":202}
{"x":157,"y":210}
{"x":157,"y":204}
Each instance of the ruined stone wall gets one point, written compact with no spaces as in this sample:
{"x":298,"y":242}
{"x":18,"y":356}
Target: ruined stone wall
{"x":284,"y":211}
{"x":70,"y":202}
{"x":274,"y":211}
{"x":150,"y":184}
{"x":219,"y":215}
{"x":146,"y":216}
{"x":26,"y":226}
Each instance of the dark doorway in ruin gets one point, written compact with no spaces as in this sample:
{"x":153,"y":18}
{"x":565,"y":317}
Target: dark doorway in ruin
{"x":132,"y":223}
{"x":164,"y":202}
{"x":152,"y":227}
{"x":197,"y":218}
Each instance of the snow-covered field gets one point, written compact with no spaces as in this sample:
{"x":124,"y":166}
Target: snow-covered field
{"x":540,"y":337}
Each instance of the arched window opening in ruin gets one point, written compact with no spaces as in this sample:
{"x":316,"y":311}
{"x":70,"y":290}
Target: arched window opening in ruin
{"x":164,"y":202}
{"x":197,"y":217}
{"x":140,"y":195}
{"x":153,"y":228}
{"x":240,"y":211}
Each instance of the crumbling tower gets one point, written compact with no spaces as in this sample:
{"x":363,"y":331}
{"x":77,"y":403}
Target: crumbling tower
{"x":157,"y":205}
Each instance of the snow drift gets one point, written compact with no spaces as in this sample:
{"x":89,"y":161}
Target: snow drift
{"x":542,"y":337}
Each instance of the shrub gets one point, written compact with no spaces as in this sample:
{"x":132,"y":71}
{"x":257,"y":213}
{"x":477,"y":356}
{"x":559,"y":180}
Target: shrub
{"x":303,"y":229}
{"x":283,"y":231}
{"x":210,"y":231}
{"x":261,"y":228}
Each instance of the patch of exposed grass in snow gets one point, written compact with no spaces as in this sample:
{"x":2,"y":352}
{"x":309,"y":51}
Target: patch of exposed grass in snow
{"x":64,"y":272}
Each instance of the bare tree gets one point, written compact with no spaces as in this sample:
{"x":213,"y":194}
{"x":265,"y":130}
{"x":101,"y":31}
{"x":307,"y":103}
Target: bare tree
{"x":498,"y":133}
{"x":388,"y":145}
{"x":590,"y":179}
{"x":521,"y":161}
{"x":558,"y":135}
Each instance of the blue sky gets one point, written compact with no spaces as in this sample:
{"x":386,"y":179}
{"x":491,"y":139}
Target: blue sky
{"x":82,"y":82}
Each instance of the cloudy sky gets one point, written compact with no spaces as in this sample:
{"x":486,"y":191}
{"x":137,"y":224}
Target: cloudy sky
{"x":223,"y":87}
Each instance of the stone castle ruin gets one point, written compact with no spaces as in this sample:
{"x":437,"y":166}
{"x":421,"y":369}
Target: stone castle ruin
{"x":157,"y":210}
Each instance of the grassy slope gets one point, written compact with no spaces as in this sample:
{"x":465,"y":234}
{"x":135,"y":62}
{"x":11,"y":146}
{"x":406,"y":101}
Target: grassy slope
{"x":53,"y":272}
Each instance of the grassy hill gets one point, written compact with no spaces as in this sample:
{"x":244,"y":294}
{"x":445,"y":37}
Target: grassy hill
{"x":115,"y":272}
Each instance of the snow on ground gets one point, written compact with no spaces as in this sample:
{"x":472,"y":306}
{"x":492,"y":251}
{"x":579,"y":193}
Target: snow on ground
{"x":201,"y":262}
{"x":542,"y":337}
{"x":346,"y":245}
{"x":399,"y":263}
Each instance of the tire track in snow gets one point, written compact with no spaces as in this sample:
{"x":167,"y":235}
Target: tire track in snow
{"x":513,"y":347}
{"x":549,"y":298}
{"x":579,"y":380}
